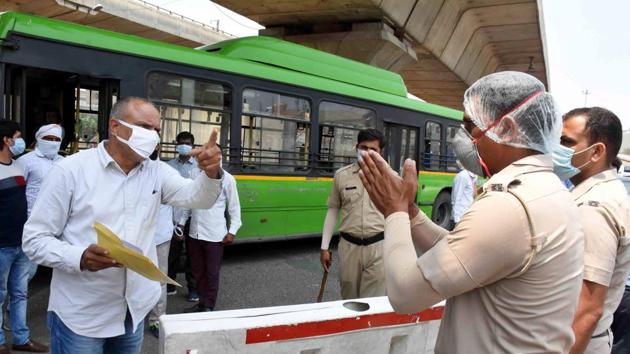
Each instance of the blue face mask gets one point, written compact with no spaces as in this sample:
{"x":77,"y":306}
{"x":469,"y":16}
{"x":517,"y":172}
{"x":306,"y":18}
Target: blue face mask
{"x":18,"y":146}
{"x":562,"y":165}
{"x":183,"y":149}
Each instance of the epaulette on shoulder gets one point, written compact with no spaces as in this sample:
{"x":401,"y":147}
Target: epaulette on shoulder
{"x":613,"y":219}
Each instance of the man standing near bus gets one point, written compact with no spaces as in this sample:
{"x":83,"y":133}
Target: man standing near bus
{"x":37,"y":163}
{"x":96,"y":305}
{"x":361,"y":272}
{"x":184,"y":164}
{"x":464,"y":192}
{"x":591,"y":138}
{"x":14,"y":265}
{"x":210,"y":231}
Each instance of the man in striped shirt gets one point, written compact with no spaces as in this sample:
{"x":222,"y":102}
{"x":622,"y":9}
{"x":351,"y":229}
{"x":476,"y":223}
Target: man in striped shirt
{"x":14,"y":266}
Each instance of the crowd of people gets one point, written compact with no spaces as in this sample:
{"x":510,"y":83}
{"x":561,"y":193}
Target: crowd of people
{"x":529,"y":266}
{"x":158,"y":208}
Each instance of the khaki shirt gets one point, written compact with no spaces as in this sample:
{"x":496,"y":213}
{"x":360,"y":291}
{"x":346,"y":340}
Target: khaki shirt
{"x":359,"y":216}
{"x":604,"y":207}
{"x":498,"y":302}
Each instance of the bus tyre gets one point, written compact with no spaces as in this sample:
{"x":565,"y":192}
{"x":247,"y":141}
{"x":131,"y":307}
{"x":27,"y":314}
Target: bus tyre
{"x":442,"y":212}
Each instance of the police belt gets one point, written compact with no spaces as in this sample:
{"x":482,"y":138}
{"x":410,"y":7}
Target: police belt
{"x":362,"y":241}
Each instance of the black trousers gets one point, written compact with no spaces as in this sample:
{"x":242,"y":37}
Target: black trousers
{"x":206,"y":258}
{"x":175,"y":264}
{"x":621,"y":325}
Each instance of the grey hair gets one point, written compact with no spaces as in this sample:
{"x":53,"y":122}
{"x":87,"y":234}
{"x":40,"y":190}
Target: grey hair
{"x":121,"y":107}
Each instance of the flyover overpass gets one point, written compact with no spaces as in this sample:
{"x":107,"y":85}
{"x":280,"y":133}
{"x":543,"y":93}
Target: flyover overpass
{"x":135,"y":17}
{"x":439,"y":47}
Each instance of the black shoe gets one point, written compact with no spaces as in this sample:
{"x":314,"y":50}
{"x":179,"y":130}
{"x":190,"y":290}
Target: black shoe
{"x":197,"y":308}
{"x":155,"y":329}
{"x":193,"y":296}
{"x":171,"y":289}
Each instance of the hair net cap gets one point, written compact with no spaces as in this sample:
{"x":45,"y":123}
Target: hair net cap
{"x":510,"y":95}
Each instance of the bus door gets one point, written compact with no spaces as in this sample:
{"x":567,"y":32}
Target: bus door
{"x":402,"y":143}
{"x":80,"y":104}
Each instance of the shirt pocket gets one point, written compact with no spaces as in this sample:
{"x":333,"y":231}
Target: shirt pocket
{"x":150,"y":205}
{"x":350,"y":195}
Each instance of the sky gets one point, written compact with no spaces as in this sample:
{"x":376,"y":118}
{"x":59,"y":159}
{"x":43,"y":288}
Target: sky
{"x":588,"y":47}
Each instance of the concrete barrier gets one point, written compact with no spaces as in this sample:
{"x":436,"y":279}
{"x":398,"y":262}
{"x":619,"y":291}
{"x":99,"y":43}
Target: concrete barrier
{"x":361,"y":326}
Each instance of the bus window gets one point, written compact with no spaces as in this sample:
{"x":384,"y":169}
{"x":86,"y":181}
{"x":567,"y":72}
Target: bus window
{"x":87,"y":127}
{"x":339,"y":125}
{"x":189,"y":104}
{"x":275,"y":132}
{"x":432,"y":146}
{"x":451,"y":165}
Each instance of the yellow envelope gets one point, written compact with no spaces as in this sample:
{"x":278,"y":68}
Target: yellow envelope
{"x":129,"y":257}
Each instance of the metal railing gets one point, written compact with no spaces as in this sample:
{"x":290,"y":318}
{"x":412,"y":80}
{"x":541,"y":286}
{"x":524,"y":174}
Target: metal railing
{"x":198,"y":23}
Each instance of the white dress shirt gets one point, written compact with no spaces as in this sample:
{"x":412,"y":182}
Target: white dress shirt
{"x":463,"y":193}
{"x":185,"y":168}
{"x":210,"y":224}
{"x":89,"y":187}
{"x":35,"y":166}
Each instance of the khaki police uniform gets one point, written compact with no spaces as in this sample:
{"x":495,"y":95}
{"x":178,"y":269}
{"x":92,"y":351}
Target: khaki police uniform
{"x":361,"y":272}
{"x":511,"y":269}
{"x":605,"y":215}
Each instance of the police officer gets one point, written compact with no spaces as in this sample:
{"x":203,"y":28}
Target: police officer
{"x":511,"y":269}
{"x":361,"y":231}
{"x":591,"y":138}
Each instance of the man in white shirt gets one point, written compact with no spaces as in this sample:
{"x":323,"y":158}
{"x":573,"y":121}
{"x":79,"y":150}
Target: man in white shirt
{"x":36,"y":165}
{"x":209,"y":232}
{"x":464,"y":191}
{"x":38,"y":162}
{"x":184,"y":164}
{"x":95,"y":304}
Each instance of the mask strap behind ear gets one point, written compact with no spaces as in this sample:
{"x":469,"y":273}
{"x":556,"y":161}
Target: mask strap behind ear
{"x":485,"y":167}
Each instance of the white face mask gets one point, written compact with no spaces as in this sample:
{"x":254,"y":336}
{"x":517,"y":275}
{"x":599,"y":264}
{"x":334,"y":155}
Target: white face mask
{"x":142,"y":141}
{"x":48,"y":148}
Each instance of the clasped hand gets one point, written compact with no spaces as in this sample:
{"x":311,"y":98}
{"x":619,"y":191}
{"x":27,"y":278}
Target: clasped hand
{"x":389,"y":192}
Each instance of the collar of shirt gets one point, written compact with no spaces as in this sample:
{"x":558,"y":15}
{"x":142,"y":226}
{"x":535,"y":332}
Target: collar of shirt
{"x":355,"y":167}
{"x":190,"y":161}
{"x":602,"y":177}
{"x":527,"y":164}
{"x":106,"y":159}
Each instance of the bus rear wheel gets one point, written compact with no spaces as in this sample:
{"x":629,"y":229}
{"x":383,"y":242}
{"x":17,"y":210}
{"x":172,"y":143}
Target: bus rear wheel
{"x":442,"y":213}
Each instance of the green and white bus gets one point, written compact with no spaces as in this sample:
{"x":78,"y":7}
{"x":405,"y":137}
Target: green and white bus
{"x":288,"y":115}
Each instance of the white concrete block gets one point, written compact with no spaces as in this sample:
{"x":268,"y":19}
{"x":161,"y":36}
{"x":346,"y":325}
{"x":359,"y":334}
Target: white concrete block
{"x":361,"y":326}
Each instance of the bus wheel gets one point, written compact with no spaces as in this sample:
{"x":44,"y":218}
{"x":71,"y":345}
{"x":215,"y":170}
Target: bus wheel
{"x":442,"y":212}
